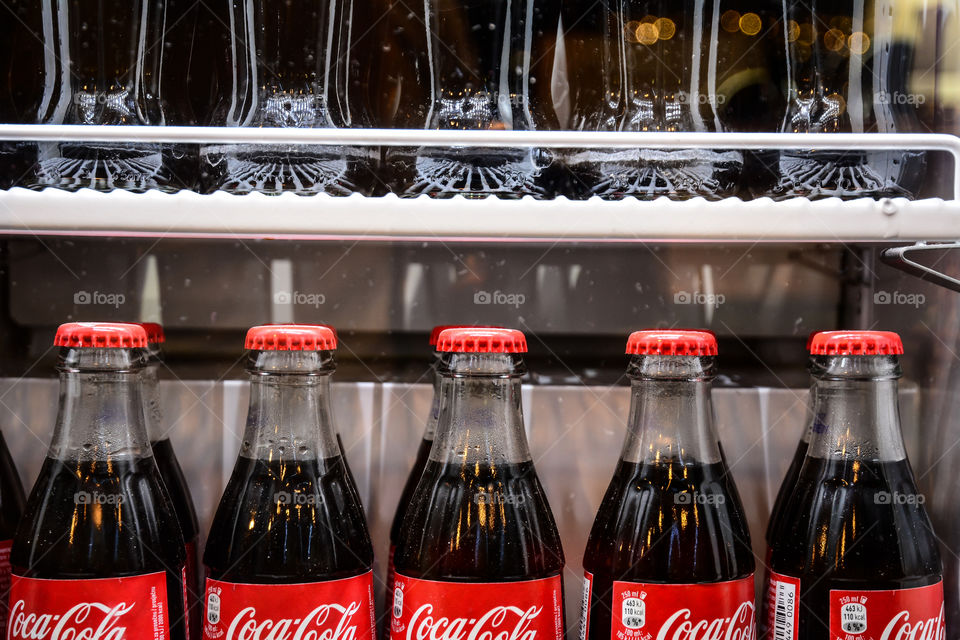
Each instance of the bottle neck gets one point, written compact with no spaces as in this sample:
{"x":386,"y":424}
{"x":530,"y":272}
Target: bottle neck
{"x":481,"y":416}
{"x":152,"y":407}
{"x":856,"y":413}
{"x":671,"y":411}
{"x":290,"y":416}
{"x":810,"y":407}
{"x":101,"y":411}
{"x":430,"y":432}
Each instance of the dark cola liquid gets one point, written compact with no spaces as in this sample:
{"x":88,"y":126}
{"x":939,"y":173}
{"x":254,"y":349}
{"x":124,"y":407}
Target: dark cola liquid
{"x":120,"y":523}
{"x":419,"y":464}
{"x":667,"y":523}
{"x":416,"y":472}
{"x":479,"y":523}
{"x":288,"y":521}
{"x":11,"y":496}
{"x":854,"y":525}
{"x":176,"y":485}
{"x":11,"y":510}
{"x":104,"y":74}
{"x":777,"y":520}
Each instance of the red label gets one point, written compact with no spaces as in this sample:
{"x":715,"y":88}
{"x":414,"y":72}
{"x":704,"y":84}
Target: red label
{"x":5,"y":546}
{"x":329,"y":610}
{"x":720,"y":611}
{"x":783,"y":607}
{"x":429,"y":609}
{"x":901,"y":614}
{"x":133,"y":608}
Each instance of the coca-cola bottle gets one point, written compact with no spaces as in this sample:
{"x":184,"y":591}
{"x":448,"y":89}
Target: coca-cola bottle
{"x":859,"y":559}
{"x":489,"y":67}
{"x":102,"y":64}
{"x":11,"y":510}
{"x":849,"y":66}
{"x":99,"y":553}
{"x":776,"y":520}
{"x":670,"y":547}
{"x":172,"y":474}
{"x":478,"y":550}
{"x":653,"y":66}
{"x":289,"y":67}
{"x":419,"y":463}
{"x":289,"y":548}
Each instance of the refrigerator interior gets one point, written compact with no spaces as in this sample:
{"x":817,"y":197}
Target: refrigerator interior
{"x":576,"y":302}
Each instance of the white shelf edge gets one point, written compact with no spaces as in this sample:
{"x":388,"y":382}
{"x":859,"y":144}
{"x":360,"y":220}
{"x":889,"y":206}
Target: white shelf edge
{"x":221,"y":215}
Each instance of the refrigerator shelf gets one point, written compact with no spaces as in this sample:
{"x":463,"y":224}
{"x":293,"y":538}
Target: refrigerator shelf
{"x":221,"y":215}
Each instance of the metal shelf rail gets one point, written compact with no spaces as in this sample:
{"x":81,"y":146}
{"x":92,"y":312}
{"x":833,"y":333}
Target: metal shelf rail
{"x":187,"y":214}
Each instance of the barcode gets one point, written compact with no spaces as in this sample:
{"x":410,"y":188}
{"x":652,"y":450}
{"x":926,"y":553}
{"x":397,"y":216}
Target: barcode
{"x":783,"y":611}
{"x":585,"y":609}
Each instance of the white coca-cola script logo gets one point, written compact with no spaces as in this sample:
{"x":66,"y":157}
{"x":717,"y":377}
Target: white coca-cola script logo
{"x":316,"y":625}
{"x":76,"y":624}
{"x":900,"y":628}
{"x":739,"y":626}
{"x":499,"y":623}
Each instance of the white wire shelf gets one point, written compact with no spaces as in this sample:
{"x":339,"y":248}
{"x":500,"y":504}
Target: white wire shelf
{"x":221,"y":215}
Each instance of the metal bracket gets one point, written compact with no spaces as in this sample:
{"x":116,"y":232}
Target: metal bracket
{"x":898,"y":259}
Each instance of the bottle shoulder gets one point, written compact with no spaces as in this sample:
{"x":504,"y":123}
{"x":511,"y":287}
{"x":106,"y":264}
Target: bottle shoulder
{"x":289,"y":521}
{"x":670,"y":523}
{"x":476,"y":523}
{"x":117,"y":515}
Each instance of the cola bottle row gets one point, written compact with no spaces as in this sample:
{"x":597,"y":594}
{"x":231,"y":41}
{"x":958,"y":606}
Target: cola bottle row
{"x":103,"y":549}
{"x":639,"y":66}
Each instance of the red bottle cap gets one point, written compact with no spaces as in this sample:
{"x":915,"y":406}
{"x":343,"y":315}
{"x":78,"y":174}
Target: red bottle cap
{"x":481,"y":340}
{"x":291,"y":337}
{"x":154,"y":331}
{"x":109,"y":335}
{"x":856,"y":343}
{"x":437,"y":330}
{"x":440,"y":328}
{"x":672,"y":342}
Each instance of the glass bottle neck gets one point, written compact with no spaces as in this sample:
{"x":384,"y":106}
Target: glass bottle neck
{"x":481,"y":416}
{"x":152,"y":407}
{"x":809,"y":408}
{"x":671,"y":411}
{"x":856,"y":412}
{"x":290,"y":416}
{"x":101,"y":411}
{"x":430,"y":432}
